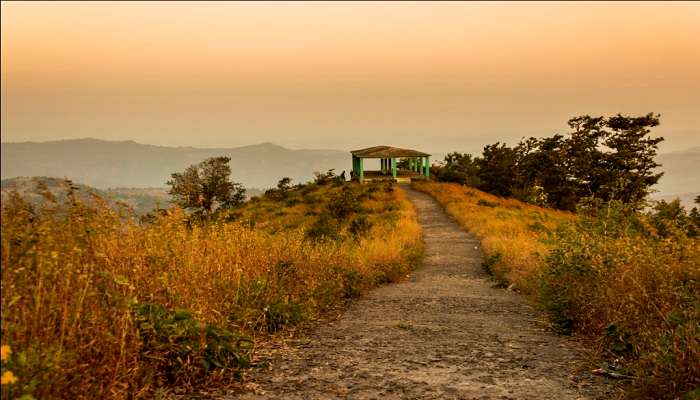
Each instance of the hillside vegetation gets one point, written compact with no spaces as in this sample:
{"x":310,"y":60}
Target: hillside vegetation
{"x":98,"y":303}
{"x":630,"y":282}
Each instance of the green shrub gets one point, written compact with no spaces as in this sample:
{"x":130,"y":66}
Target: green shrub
{"x":279,"y":314}
{"x":614,"y":276}
{"x":325,"y":227}
{"x":178,"y":347}
{"x":343,"y":203}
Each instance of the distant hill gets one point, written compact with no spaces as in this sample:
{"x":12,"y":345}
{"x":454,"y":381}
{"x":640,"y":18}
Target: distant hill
{"x":681,"y":176}
{"x":141,"y":200}
{"x":104,"y":164}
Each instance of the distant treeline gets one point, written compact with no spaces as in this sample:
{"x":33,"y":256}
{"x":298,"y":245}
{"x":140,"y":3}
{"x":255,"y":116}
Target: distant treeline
{"x":602,"y":158}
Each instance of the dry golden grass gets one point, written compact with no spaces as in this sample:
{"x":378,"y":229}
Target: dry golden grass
{"x":510,"y":231}
{"x":96,"y":304}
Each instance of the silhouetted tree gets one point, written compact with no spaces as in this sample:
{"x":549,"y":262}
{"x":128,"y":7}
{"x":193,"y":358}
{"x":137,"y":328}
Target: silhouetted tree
{"x":205,"y":187}
{"x":497,"y":168}
{"x":602,"y":158}
{"x":282,"y":190}
{"x":458,"y":168}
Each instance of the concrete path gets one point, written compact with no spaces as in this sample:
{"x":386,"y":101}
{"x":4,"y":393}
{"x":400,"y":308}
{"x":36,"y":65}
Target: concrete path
{"x":443,"y":334}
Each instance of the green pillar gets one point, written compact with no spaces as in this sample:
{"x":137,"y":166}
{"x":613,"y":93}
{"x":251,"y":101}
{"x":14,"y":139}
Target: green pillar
{"x":427,"y":167}
{"x":361,"y":167}
{"x":411,"y":162}
{"x":393,"y":167}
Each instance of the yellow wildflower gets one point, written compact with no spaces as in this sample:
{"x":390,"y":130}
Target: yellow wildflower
{"x":5,"y":352}
{"x":8,"y":378}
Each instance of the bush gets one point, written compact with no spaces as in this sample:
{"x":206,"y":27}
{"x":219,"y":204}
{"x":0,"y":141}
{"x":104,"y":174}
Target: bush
{"x":612,"y":276}
{"x":325,"y":227}
{"x":343,"y":203}
{"x":177,"y":348}
{"x":279,"y":314}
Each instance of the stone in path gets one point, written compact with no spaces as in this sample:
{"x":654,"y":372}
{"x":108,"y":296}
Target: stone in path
{"x":443,"y":334}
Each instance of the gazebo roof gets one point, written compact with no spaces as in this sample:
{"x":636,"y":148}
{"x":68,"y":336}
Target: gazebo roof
{"x":387,"y":152}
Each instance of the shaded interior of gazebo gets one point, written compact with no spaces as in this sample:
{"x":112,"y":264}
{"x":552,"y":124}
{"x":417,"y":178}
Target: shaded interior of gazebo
{"x":416,"y":167}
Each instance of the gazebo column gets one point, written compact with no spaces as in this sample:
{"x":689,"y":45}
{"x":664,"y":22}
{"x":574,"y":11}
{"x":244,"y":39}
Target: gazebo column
{"x":362,"y":169}
{"x":427,"y":167}
{"x":393,"y":167}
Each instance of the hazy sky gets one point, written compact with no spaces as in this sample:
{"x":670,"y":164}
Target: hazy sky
{"x":435,"y":76}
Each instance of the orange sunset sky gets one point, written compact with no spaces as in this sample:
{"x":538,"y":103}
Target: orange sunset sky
{"x":436,"y":76}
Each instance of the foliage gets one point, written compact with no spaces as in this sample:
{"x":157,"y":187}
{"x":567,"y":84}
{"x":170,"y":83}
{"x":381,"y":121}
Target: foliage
{"x":205,"y":187}
{"x":614,"y":276}
{"x":602,"y":158}
{"x":280,"y":193}
{"x":326,"y":178}
{"x":343,"y":203}
{"x":178,"y":349}
{"x":457,"y":168}
{"x":496,"y":169}
{"x":97,"y":304}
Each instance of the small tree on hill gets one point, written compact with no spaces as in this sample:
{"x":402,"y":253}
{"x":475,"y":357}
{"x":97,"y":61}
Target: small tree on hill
{"x":205,"y":187}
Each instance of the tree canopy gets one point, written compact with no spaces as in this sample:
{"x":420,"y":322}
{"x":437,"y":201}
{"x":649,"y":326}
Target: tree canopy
{"x":206,"y":187}
{"x":603,"y":158}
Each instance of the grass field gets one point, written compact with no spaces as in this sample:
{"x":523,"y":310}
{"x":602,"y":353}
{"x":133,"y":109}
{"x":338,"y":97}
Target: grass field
{"x":100,"y":304}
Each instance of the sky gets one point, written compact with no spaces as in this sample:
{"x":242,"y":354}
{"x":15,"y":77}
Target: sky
{"x":432,"y":76}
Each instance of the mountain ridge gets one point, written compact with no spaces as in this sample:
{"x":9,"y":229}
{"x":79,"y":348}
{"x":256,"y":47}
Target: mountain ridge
{"x":104,"y":164}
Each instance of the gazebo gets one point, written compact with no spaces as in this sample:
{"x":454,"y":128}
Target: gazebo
{"x":417,"y":167}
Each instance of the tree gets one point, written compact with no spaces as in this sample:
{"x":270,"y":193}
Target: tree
{"x":458,"y":168}
{"x":613,"y":158}
{"x":497,"y":167}
{"x":282,"y":190}
{"x":205,"y":187}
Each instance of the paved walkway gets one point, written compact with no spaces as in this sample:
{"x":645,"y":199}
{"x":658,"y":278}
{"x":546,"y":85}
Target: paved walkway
{"x":443,"y":334}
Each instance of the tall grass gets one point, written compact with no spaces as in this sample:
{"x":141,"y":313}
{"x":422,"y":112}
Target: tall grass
{"x":612,"y":276}
{"x":96,"y":304}
{"x":509,"y":230}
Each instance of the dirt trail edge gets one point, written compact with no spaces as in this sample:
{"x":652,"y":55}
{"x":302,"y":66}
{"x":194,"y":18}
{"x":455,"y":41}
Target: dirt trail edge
{"x":443,"y":334}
